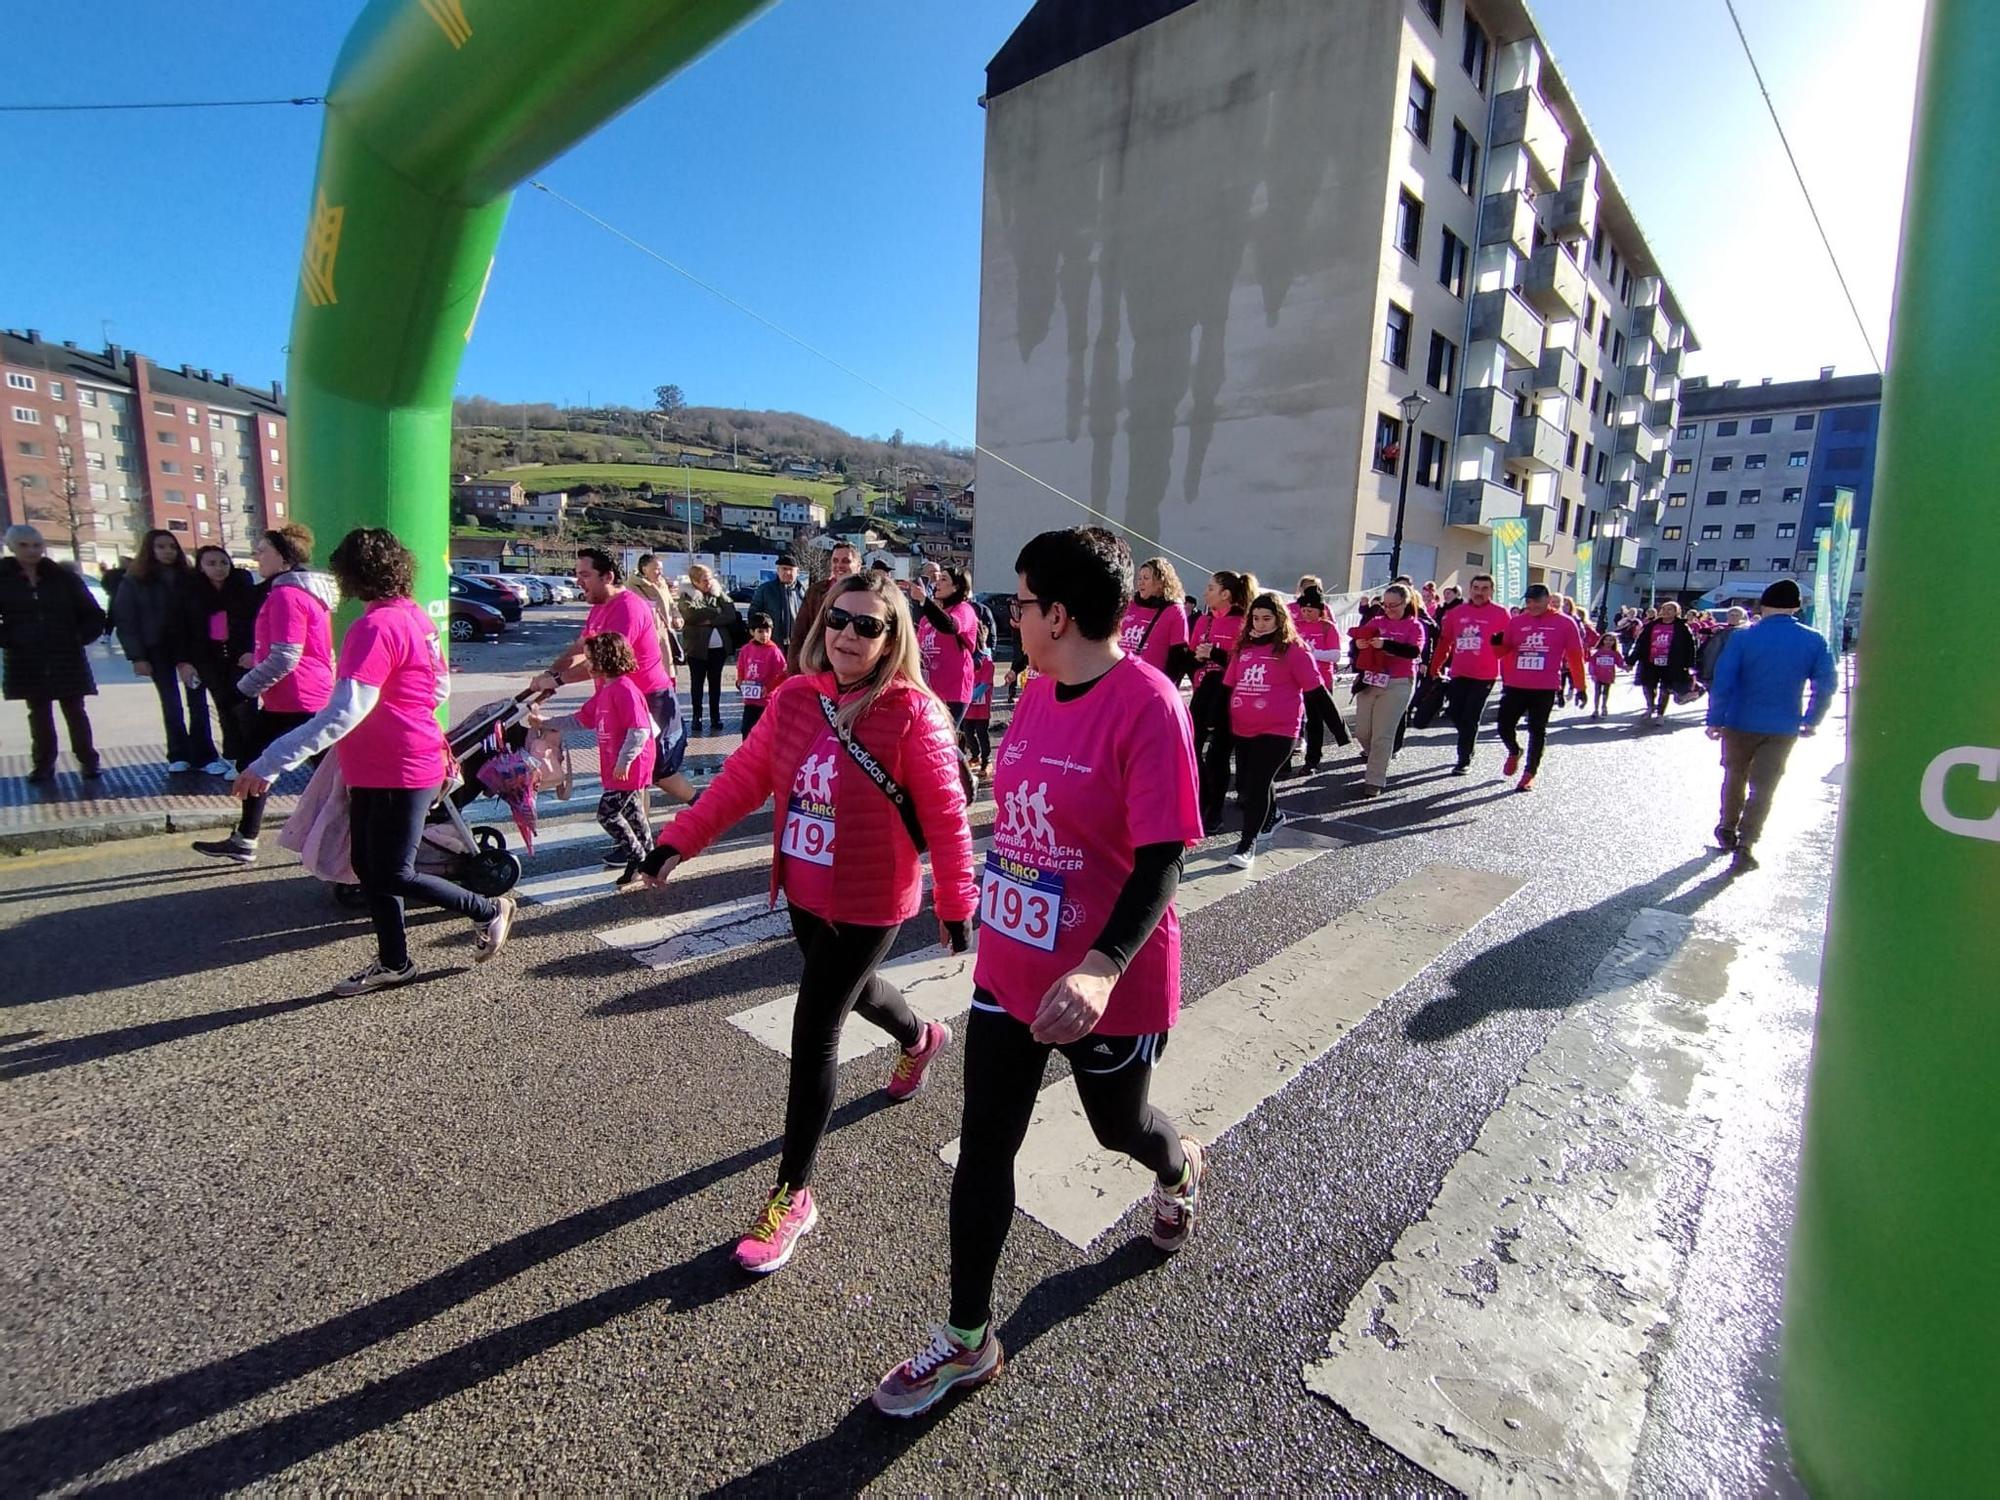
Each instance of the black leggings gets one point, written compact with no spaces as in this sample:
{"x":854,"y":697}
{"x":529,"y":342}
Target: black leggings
{"x":1259,"y":758}
{"x":1321,"y":717}
{"x":1537,"y":704}
{"x":1658,"y":684}
{"x":262,"y":728}
{"x":706,"y":669}
{"x":1003,"y":1076}
{"x":840,"y":976}
{"x":386,"y":824}
{"x":218,"y":674}
{"x":976,"y":738}
{"x":1465,"y":701}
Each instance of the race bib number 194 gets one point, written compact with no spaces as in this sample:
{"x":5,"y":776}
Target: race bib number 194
{"x":807,"y":837}
{"x":1021,"y":901}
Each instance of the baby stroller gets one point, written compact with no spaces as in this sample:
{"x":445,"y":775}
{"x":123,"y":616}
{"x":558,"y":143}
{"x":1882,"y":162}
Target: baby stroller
{"x":476,"y":857}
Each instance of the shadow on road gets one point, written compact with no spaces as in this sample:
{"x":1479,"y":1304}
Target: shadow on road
{"x":67,"y":1052}
{"x":56,"y":1450}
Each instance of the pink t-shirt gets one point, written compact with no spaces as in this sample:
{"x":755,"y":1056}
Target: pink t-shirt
{"x":759,"y":670}
{"x":1219,"y":631}
{"x":980,"y":709}
{"x":1081,"y":786}
{"x":1659,"y":643}
{"x":1151,"y":634}
{"x":1387,"y":669}
{"x":1267,"y":690}
{"x":293,"y":616}
{"x":948,"y":656}
{"x":628,"y":614}
{"x":394,"y":647}
{"x":218,"y":626}
{"x":1537,"y":647}
{"x":614,"y":709}
{"x":1320,"y":635}
{"x":805,"y":842}
{"x":1468,"y":633}
{"x":1606,"y":659}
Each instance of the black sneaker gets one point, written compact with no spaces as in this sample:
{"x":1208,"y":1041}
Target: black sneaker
{"x":614,"y":858}
{"x":1463,"y":768}
{"x":239,"y":850}
{"x":42,"y":776}
{"x":1744,"y":859}
{"x":92,"y":770}
{"x":1725,"y":838}
{"x":634,"y":878}
{"x":375,"y":977}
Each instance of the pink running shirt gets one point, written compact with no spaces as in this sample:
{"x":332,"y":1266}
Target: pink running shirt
{"x":1409,"y":630}
{"x":805,"y":843}
{"x":292,"y":616}
{"x":948,"y":656}
{"x":980,"y":709}
{"x":1321,"y":635}
{"x":1267,"y":691}
{"x":1081,"y":786}
{"x":628,"y":614}
{"x":759,"y":670}
{"x":1537,"y":647}
{"x":1151,"y":634}
{"x":1659,"y":643}
{"x":615,"y":708}
{"x":1606,"y":659}
{"x":1219,"y":631}
{"x":1466,"y":638}
{"x":394,"y":647}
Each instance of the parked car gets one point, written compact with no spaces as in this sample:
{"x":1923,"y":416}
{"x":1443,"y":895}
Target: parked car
{"x":538,"y":589}
{"x":504,"y":601}
{"x":561,"y":590}
{"x":472,"y":620}
{"x":509,"y":583}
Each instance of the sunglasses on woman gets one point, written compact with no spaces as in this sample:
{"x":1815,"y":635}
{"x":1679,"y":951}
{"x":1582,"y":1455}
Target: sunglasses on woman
{"x":867,"y":627}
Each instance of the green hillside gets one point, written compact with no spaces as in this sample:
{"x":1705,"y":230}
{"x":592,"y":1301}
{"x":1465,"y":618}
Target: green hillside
{"x":731,"y":486}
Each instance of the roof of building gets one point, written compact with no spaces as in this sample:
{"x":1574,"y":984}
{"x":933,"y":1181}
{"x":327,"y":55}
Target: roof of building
{"x":1783,"y":395}
{"x":112,"y":366}
{"x":1056,"y":32}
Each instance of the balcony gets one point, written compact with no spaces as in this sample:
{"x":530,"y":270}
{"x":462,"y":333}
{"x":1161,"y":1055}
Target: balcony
{"x":1645,"y":383}
{"x":1541,"y":521}
{"x":1575,"y":216}
{"x":1557,"y":371}
{"x":1625,"y":552}
{"x":1508,"y":219}
{"x":1480,"y":502}
{"x":1507,"y":319}
{"x":1623,"y":494}
{"x":1652,"y":323}
{"x":1662,"y":416}
{"x":1670,"y":362}
{"x":1642,"y":352}
{"x":1521,"y":117}
{"x":1640,"y":441}
{"x":1649,"y":512}
{"x":1536,"y":446}
{"x":1488,"y":412}
{"x":1554,"y":283}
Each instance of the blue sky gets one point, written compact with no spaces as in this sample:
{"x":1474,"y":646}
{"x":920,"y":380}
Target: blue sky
{"x":824,"y":166}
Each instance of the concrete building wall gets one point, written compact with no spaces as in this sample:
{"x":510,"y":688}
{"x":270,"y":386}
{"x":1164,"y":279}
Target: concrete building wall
{"x":1182,"y":249}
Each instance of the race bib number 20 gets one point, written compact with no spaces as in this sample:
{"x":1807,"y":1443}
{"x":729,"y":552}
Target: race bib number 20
{"x":1021,"y":901}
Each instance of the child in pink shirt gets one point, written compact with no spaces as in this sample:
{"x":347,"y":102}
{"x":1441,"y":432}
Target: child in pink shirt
{"x":760,"y":667}
{"x":617,"y":711}
{"x":1606,"y":657}
{"x":976,"y":733}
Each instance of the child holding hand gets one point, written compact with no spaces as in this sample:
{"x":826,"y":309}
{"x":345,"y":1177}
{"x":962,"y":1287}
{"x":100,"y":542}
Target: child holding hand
{"x":617,"y":711}
{"x":760,"y":667}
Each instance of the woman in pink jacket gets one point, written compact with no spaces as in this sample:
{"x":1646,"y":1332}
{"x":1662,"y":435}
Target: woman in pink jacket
{"x":864,"y":761}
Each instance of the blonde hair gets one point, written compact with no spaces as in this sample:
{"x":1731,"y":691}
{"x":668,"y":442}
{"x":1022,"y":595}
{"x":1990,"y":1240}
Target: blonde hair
{"x":899,"y":660}
{"x":1170,"y":581}
{"x":700,"y":576}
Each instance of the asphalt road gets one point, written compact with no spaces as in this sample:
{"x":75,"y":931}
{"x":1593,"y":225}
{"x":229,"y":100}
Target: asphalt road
{"x":474,"y":1234}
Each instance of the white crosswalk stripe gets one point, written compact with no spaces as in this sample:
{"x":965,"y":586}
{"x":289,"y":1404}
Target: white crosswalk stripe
{"x":1243,"y":1042}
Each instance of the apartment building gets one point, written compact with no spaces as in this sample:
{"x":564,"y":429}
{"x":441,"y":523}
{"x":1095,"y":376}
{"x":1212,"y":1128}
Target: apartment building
{"x":1225,"y":239}
{"x":1751,"y":481}
{"x":97,"y":448}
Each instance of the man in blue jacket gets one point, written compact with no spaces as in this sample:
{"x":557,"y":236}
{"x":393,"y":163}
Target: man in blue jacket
{"x":1754,"y":709}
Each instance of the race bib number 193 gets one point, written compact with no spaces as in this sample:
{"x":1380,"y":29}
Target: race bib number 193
{"x":1021,"y":901}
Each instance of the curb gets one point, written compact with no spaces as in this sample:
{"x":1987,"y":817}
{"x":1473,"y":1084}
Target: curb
{"x":130,"y":826}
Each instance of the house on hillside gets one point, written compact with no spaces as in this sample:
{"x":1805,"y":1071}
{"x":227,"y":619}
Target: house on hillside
{"x":743,"y":517}
{"x":796,"y":468}
{"x":922,"y":496}
{"x":961,"y":506}
{"x":543,"y":512}
{"x":799,"y":510}
{"x":850,"y":500}
{"x":485,"y":497}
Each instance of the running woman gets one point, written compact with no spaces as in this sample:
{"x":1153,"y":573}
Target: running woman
{"x":1080,"y":948}
{"x":864,"y":761}
{"x":383,"y":718}
{"x":1604,"y":662}
{"x":1272,"y":679}
{"x":1155,"y":628}
{"x":290,"y":668}
{"x":977,"y":731}
{"x":1465,"y":651}
{"x":1388,"y":647}
{"x":1211,"y":640}
{"x":760,"y":667}
{"x":1666,"y":653}
{"x":617,"y":711}
{"x":1322,"y":637}
{"x":1535,"y":648}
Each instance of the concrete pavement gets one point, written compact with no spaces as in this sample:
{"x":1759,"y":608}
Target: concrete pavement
{"x":475,"y":1233}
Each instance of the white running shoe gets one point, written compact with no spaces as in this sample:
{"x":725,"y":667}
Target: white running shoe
{"x":178,"y":768}
{"x":375,"y":977}
{"x":493,"y":936}
{"x":1242,"y":861}
{"x":219,"y":767}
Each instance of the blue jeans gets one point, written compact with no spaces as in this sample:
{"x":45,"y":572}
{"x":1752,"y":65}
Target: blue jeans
{"x":188,"y":735}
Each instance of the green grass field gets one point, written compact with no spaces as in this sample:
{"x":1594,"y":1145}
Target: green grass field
{"x":733,"y":487}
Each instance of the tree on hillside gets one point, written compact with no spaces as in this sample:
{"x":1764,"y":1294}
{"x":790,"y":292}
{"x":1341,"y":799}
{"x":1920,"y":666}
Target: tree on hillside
{"x":668,"y":399}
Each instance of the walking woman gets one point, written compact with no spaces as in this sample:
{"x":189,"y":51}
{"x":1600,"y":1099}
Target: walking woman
{"x":222,"y":608}
{"x":1079,"y":949}
{"x":1387,"y":649}
{"x":1320,"y":635}
{"x":1211,"y":640}
{"x":47,"y":617}
{"x":948,"y":639}
{"x":382,"y":718}
{"x":1665,"y":652}
{"x":1271,"y":678}
{"x":864,"y":764}
{"x":1155,"y":628}
{"x":289,"y":668}
{"x":151,"y":613}
{"x":710,"y":628}
{"x":649,"y":583}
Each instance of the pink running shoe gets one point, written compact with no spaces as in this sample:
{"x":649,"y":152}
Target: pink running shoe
{"x":788,"y":1218}
{"x":934,"y":1371}
{"x":1511,"y":764}
{"x":907,"y":1077}
{"x":1173,"y":1208}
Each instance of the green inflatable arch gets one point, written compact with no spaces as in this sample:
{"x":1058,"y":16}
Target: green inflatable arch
{"x":436,"y":111}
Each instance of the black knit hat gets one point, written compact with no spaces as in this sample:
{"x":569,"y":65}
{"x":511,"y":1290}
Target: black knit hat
{"x":1784,"y":594}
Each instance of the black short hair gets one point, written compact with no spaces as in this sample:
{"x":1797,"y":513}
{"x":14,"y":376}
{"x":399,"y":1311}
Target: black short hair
{"x":1482,"y":577}
{"x":759,"y":620}
{"x":1085,"y":569}
{"x":1536,"y":591}
{"x":602,"y":561}
{"x":786,"y":560}
{"x":370,"y":564}
{"x":1312,"y":599}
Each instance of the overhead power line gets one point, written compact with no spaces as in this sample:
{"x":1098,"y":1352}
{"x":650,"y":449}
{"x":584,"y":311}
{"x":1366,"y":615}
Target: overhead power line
{"x":1804,"y":191}
{"x":59,"y":109}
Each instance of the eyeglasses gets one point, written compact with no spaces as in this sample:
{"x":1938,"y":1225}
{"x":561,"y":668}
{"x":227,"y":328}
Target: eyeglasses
{"x":867,"y":627}
{"x":1016,"y":605}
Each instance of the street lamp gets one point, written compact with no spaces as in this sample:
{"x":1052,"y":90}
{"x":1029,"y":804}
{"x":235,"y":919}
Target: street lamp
{"x":1412,"y":406}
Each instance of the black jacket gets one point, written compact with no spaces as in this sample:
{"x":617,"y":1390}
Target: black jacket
{"x":152,"y":617}
{"x":1680,"y":655}
{"x":45,"y":622}
{"x":239,"y":599}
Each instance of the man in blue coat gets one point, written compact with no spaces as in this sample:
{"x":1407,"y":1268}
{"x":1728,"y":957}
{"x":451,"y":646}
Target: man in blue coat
{"x":1754,"y":708}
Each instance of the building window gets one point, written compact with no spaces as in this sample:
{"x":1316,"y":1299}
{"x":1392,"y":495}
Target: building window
{"x":1589,"y":452}
{"x":277,"y":481}
{"x":194,"y":417}
{"x":16,"y":381}
{"x":1739,"y":564}
{"x":1478,"y":53}
{"x":28,"y":416}
{"x":1711,"y":533}
{"x":1704,"y":564}
{"x":1442,"y":372}
{"x":29,"y":449}
{"x":1596,"y":394}
{"x":1759,"y":426}
{"x":93,"y":430}
{"x":1725,"y":429}
{"x":99,"y":490}
{"x":1464,"y":158}
{"x":1688,"y":430}
{"x":86,"y":397}
{"x":1569,"y":458}
{"x":1396,"y":337}
{"x":93,"y":460}
{"x":1602,"y":458}
{"x":1781,"y":565}
{"x":200,"y":471}
{"x":1423,"y":101}
{"x":127,"y":464}
{"x":1409,"y":223}
{"x":170,"y":467}
{"x":214,"y":422}
{"x":1845,"y":458}
{"x":1721,"y":464}
{"x":1562,"y":516}
{"x":1430,"y":460}
{"x":1851,"y":419}
{"x":1754,"y":460}
{"x":1452,"y":264}
{"x":1794,"y":495}
{"x":1677,"y":499}
{"x":1803,"y":422}
{"x":1670,"y":533}
{"x":1388,"y":442}
{"x":1745,"y":533}
{"x":177,"y":524}
{"x":1796,"y":461}
{"x":1589,"y":313}
{"x":1603,"y":334}
{"x":1581,"y":376}
{"x":167,"y":437}
{"x":1618,"y":348}
{"x":56,"y":389}
{"x":1435,"y":10}
{"x":177,"y":497}
{"x":1716,"y":497}
{"x":1683,"y":466}
{"x":120,"y":433}
{"x":163,"y":408}
{"x":1749,"y":497}
{"x":275,"y":458}
{"x":1787,"y":530}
